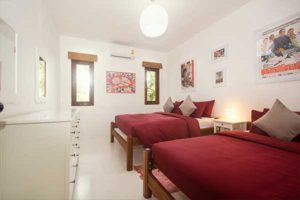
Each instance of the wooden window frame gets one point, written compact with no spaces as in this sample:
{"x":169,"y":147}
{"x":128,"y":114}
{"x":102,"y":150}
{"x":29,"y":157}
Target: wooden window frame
{"x":74,"y":64}
{"x":156,"y":70}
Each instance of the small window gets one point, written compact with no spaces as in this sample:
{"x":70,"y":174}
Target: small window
{"x":82,"y":83}
{"x":42,"y":78}
{"x":151,"y":86}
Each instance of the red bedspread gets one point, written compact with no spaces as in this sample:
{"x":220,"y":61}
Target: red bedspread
{"x":157,"y":127}
{"x":232,"y":165}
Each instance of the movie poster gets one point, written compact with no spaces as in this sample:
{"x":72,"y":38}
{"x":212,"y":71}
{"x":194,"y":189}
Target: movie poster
{"x":187,"y":75}
{"x":278,"y":51}
{"x":120,"y":82}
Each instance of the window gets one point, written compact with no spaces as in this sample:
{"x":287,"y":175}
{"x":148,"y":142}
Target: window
{"x":151,"y":86}
{"x":42,"y":78}
{"x":82,"y":83}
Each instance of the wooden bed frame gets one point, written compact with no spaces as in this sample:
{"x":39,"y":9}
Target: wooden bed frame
{"x":150,"y":184}
{"x":130,"y":142}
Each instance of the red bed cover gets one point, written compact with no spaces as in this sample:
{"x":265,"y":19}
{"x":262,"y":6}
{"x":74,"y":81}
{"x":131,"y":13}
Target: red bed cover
{"x":232,"y":165}
{"x":157,"y":127}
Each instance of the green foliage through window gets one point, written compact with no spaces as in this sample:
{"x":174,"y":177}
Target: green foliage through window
{"x":151,"y":94}
{"x":152,"y":86}
{"x":42,"y":77}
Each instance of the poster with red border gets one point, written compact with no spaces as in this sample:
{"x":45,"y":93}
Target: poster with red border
{"x":120,"y":82}
{"x":278,"y":51}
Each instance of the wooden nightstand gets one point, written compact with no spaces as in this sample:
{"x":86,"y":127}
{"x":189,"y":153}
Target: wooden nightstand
{"x":226,"y":125}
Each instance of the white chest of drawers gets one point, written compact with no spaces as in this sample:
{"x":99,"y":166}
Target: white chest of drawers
{"x":39,"y":155}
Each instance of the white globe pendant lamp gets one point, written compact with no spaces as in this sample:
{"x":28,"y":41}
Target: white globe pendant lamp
{"x":154,"y":21}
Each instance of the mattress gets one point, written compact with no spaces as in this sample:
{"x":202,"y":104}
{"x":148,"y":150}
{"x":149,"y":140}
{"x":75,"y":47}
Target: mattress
{"x":206,"y":122}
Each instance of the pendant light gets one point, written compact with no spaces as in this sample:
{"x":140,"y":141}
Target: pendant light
{"x":154,"y":20}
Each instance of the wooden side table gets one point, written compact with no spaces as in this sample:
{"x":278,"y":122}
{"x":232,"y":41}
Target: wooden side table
{"x":229,"y":125}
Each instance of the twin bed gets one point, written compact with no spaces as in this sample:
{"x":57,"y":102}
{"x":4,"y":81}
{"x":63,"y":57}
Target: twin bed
{"x":229,"y":165}
{"x":147,"y":129}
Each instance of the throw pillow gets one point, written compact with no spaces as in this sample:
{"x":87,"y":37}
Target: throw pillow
{"x":280,"y":122}
{"x":169,"y":106}
{"x":187,"y":107}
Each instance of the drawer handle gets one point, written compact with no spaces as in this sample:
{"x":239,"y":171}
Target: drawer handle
{"x":74,"y":132}
{"x":78,"y":147}
{"x":74,"y":126}
{"x":77,"y":137}
{"x":73,"y":155}
{"x":72,"y":181}
{"x":74,"y":145}
{"x":75,"y":165}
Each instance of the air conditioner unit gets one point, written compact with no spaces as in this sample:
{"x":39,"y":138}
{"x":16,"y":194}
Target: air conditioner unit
{"x":123,"y":53}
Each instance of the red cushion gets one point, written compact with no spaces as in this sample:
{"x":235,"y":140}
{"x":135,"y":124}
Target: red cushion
{"x":255,"y":115}
{"x":209,"y":108}
{"x":176,"y":109}
{"x":198,"y":113}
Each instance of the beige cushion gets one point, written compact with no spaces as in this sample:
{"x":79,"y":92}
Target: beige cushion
{"x":280,"y":122}
{"x":187,"y":107}
{"x":169,"y":106}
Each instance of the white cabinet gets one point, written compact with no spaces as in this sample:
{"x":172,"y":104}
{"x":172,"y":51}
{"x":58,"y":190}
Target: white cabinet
{"x":39,"y":155}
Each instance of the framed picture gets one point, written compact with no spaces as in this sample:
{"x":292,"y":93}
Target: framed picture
{"x":219,"y":54}
{"x":220,"y":78}
{"x":188,"y":75}
{"x":120,"y":82}
{"x":278,"y":51}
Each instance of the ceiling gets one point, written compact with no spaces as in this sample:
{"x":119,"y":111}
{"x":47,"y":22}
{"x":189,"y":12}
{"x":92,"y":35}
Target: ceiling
{"x":117,"y":21}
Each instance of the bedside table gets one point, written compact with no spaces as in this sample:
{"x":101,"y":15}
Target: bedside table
{"x":229,"y":125}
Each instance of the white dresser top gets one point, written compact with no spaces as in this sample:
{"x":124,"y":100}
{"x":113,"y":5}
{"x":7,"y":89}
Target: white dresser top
{"x":48,"y":116}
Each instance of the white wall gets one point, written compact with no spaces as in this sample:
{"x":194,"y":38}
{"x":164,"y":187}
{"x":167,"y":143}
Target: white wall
{"x":97,"y":118}
{"x":242,"y":93}
{"x":35,"y":28}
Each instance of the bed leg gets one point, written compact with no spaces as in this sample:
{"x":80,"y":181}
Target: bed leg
{"x":129,"y":152}
{"x":112,"y":126}
{"x":147,"y":169}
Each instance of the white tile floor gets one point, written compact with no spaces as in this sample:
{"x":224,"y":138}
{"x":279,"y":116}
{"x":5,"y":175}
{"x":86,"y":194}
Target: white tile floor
{"x":102,"y":174}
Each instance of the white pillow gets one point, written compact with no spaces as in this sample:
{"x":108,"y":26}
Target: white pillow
{"x":280,"y":122}
{"x":187,"y":107}
{"x":169,"y":106}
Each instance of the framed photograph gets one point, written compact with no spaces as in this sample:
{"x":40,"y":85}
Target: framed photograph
{"x":188,"y":75}
{"x":220,"y":78}
{"x":278,"y":51}
{"x":120,"y":82}
{"x":219,"y":54}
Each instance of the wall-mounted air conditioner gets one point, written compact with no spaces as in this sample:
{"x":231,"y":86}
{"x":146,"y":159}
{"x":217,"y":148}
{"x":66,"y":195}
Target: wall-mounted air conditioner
{"x":123,"y":53}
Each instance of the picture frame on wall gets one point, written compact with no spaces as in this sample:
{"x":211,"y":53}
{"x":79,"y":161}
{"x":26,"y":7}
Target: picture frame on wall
{"x":188,"y":75}
{"x":120,"y":82}
{"x":278,"y":51}
{"x":220,"y":77}
{"x":219,"y":54}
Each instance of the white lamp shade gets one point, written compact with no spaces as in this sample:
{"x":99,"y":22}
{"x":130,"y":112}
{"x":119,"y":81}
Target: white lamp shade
{"x":154,"y":21}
